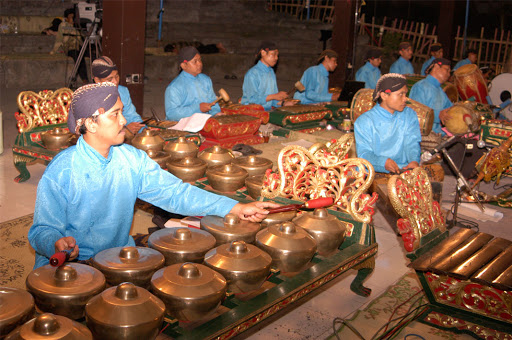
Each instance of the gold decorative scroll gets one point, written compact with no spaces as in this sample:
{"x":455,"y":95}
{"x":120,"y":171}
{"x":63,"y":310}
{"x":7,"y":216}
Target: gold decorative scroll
{"x":302,"y":176}
{"x":43,"y":108}
{"x":333,"y":152}
{"x":411,"y":196}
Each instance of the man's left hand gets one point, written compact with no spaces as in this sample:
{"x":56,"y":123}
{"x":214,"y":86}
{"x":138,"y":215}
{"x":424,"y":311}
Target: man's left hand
{"x":254,"y":211}
{"x":411,"y":165}
{"x":443,"y":116}
{"x":135,"y":127}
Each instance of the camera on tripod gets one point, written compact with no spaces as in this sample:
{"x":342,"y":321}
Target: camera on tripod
{"x":88,"y":13}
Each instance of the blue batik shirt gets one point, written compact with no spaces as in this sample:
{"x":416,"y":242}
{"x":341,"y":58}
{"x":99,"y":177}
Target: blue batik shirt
{"x":381,"y":135}
{"x":462,"y":63}
{"x":316,"y":81}
{"x":259,"y":82}
{"x":91,"y":198}
{"x":185,"y":93}
{"x":428,"y":91}
{"x":369,"y":74}
{"x":402,"y":66}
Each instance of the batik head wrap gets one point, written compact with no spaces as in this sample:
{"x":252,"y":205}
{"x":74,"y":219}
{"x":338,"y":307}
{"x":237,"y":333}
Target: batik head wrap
{"x":103,"y":67}
{"x":327,"y":53}
{"x":388,"y":83}
{"x":90,"y":101}
{"x":267,"y":46}
{"x":187,"y":53}
{"x":404,"y":45}
{"x":373,"y":53}
{"x":437,"y":61}
{"x":435,"y":47}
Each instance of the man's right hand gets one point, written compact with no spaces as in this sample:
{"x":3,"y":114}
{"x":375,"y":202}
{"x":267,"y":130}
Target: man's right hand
{"x":67,"y":243}
{"x":391,"y":166}
{"x":279,"y":96}
{"x":205,"y":107}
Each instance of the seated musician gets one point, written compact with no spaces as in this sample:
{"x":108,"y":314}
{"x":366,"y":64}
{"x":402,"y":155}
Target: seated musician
{"x":260,"y":84}
{"x":403,"y":64}
{"x":104,"y":70}
{"x":191,"y":91}
{"x":388,"y":135}
{"x":370,"y":72}
{"x":85,"y":198}
{"x":471,"y":57}
{"x":436,"y":51}
{"x":428,"y":91}
{"x":316,"y":80}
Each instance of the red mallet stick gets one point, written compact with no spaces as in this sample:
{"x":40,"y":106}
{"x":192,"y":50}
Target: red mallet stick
{"x":311,"y":204}
{"x":59,"y":258}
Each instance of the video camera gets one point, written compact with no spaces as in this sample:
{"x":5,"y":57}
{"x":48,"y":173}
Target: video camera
{"x":88,"y":12}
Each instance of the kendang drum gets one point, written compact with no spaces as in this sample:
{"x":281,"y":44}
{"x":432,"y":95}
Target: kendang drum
{"x":470,"y":83}
{"x":363,"y":102}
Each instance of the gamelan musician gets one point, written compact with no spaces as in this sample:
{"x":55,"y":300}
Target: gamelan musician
{"x":85,"y":198}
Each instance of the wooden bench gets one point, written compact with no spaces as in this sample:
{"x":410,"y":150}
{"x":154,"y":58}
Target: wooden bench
{"x":467,"y":276}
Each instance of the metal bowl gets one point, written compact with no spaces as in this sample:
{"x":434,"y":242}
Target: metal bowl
{"x":65,"y":290}
{"x":277,"y":218}
{"x":216,"y":155}
{"x":244,"y":266}
{"x":16,"y":308}
{"x":190,"y":291}
{"x":253,"y":165}
{"x":129,"y":264}
{"x":328,"y":231}
{"x":181,"y":148}
{"x":180,"y":245}
{"x":226,"y":178}
{"x":148,"y":140}
{"x":254,"y":185}
{"x":187,"y":169}
{"x":51,"y":327}
{"x":56,"y":139}
{"x":161,"y":157}
{"x":290,"y":246}
{"x":230,"y":228}
{"x":125,"y":312}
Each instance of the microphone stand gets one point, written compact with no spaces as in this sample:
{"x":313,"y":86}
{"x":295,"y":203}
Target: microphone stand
{"x":461,"y":184}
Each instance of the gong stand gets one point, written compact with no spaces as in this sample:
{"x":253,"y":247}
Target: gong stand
{"x":461,"y":184}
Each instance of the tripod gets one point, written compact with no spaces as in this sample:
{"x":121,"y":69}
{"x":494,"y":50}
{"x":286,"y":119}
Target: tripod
{"x":92,"y":39}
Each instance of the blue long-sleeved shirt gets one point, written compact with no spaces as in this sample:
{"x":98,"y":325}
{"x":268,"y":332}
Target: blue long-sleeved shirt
{"x":401,"y":66}
{"x":381,"y":135}
{"x":316,"y":81}
{"x":426,"y":64}
{"x":184,"y":94}
{"x":90,"y":197}
{"x":369,"y":74}
{"x":259,"y":82}
{"x":428,"y":91}
{"x":462,"y":63}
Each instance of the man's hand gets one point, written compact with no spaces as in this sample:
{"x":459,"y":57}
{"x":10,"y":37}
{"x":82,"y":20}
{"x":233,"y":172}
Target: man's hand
{"x":253,"y":211}
{"x":411,"y":165}
{"x":135,"y":127}
{"x":443,"y":116}
{"x":67,"y":243}
{"x":279,"y":96}
{"x":205,"y":107}
{"x":391,"y":166}
{"x":290,"y":102}
{"x":335,"y":96}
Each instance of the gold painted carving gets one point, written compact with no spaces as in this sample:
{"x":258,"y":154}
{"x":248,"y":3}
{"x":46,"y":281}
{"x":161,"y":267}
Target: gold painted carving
{"x":303,"y":175}
{"x":43,"y":108}
{"x":481,"y":331}
{"x":411,"y":196}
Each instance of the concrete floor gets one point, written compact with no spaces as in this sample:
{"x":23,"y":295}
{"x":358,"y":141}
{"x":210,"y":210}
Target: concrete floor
{"x":312,"y":318}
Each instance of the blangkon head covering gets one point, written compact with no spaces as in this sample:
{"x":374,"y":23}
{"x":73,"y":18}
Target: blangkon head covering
{"x":186,"y":54}
{"x":437,"y":61}
{"x":390,"y":82}
{"x":89,"y":101}
{"x":103,"y":67}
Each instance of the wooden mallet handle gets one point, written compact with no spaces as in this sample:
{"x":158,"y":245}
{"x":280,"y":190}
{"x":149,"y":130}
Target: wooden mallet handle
{"x":311,"y":204}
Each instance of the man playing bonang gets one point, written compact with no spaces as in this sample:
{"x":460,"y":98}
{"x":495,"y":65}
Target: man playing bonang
{"x":388,"y":135}
{"x":85,"y":199}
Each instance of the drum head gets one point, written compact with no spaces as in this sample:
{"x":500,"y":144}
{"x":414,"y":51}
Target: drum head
{"x":500,"y":90}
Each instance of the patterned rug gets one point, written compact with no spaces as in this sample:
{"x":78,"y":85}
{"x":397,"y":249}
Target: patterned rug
{"x":398,"y":300}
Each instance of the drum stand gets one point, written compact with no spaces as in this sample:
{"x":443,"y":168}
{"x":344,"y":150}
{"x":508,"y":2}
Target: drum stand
{"x":462,"y":184}
{"x":92,"y":39}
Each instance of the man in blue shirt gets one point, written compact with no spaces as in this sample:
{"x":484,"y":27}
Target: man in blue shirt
{"x":370,"y":72}
{"x":436,"y":51}
{"x":191,"y":91}
{"x":471,"y":57}
{"x":316,"y":80}
{"x":86,"y":196}
{"x":388,"y":135}
{"x":403,"y":65}
{"x":260,"y":84}
{"x":104,"y":70}
{"x":428,"y":91}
